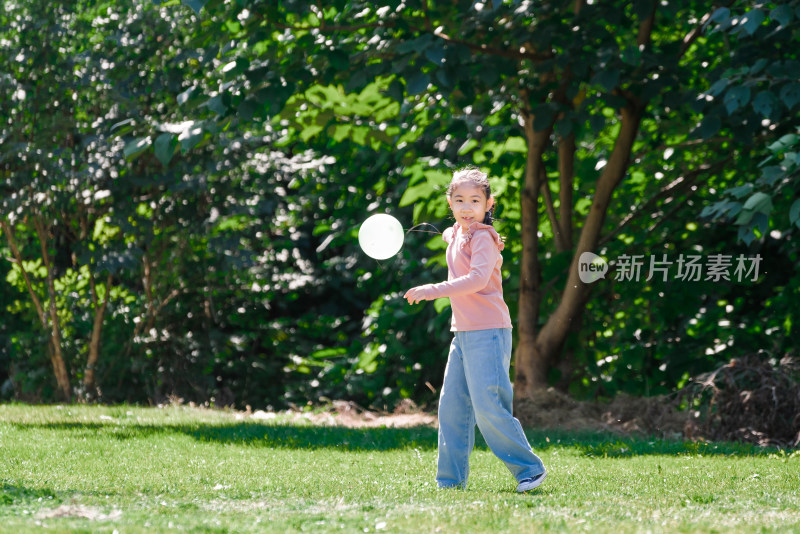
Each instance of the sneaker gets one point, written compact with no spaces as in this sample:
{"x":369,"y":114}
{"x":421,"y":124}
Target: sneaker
{"x":531,"y":483}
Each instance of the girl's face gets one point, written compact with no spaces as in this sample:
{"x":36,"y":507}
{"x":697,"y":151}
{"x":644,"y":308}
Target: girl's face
{"x":469,"y":204}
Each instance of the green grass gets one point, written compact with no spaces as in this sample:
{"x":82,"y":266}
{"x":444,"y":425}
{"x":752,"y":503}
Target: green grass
{"x":130,"y":469}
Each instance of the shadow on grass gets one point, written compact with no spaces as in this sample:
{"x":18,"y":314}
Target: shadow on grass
{"x":261,"y":435}
{"x":14,"y":494}
{"x":609,"y":445}
{"x":288,"y":436}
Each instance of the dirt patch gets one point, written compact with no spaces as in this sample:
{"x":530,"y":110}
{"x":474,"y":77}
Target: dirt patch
{"x":83,"y":512}
{"x":546,"y":409}
{"x":351,"y":415}
{"x":625,"y":415}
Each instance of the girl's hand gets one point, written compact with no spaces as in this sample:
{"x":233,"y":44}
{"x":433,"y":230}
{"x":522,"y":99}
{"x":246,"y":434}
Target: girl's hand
{"x":415,"y":294}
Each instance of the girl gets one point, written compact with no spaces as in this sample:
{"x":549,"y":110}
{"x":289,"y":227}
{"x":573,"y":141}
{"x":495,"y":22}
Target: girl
{"x":476,"y":385}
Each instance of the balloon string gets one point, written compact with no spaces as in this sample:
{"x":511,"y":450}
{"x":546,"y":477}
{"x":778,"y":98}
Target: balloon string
{"x":412,"y":229}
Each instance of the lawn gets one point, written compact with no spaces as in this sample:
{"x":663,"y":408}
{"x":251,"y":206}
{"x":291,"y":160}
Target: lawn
{"x":133,"y":469}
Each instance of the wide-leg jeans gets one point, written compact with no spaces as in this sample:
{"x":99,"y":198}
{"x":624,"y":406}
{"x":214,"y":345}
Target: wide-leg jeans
{"x":477,"y":390}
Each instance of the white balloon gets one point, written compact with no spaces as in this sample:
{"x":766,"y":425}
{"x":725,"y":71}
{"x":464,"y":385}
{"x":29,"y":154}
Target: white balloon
{"x":381,"y":236}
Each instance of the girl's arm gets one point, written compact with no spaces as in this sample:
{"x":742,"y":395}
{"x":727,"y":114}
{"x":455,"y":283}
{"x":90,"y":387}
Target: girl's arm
{"x":484,"y":257}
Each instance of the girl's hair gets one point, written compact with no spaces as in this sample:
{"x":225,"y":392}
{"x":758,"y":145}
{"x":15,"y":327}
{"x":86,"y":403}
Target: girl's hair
{"x":473,"y":176}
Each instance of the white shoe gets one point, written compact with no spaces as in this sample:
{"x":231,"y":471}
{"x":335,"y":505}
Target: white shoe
{"x":531,"y":483}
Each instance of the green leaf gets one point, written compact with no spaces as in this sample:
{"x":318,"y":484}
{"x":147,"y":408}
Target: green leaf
{"x":759,"y":202}
{"x":752,"y":20}
{"x":329,"y":353}
{"x":790,"y":94}
{"x":339,"y":60}
{"x":707,"y":127}
{"x":186,"y":95}
{"x":739,"y":192}
{"x":469,"y":144}
{"x":783,"y":143}
{"x":632,"y":55}
{"x":543,"y":117}
{"x":597,"y":122}
{"x":746,"y":233}
{"x":764,"y":104}
{"x":513,"y":144}
{"x":415,"y":45}
{"x":122,"y":127}
{"x":435,"y":53}
{"x":247,"y":109}
{"x":607,"y":78}
{"x":234,"y":68}
{"x":164,"y":147}
{"x":771,"y":174}
{"x":416,"y":192}
{"x":418,"y":83}
{"x":782,"y":14}
{"x":643,"y":8}
{"x":191,"y":139}
{"x":759,"y":65}
{"x":720,"y":15}
{"x":196,"y":5}
{"x":563,"y":127}
{"x":136,"y":147}
{"x":731,"y":208}
{"x":736,"y":97}
{"x":216,"y":105}
{"x":441,"y":304}
{"x":745,"y":217}
{"x":444,"y":78}
{"x":718,"y":86}
{"x":396,"y":91}
{"x":794,"y":213}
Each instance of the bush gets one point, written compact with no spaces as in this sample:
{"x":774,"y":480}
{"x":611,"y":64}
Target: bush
{"x":753,"y":399}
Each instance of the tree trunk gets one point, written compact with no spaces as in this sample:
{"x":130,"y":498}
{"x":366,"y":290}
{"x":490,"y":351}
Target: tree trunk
{"x":528,"y":374}
{"x":12,"y":243}
{"x":57,"y":357}
{"x":538,"y":352}
{"x":97,"y":327}
{"x":54,"y":348}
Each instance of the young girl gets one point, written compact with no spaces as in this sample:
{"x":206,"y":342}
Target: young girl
{"x":476,"y":385}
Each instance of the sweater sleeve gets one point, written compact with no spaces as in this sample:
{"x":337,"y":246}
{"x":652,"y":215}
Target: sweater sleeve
{"x":484,"y":257}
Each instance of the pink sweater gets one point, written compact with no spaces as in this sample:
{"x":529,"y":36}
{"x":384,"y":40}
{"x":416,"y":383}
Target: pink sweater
{"x":474,"y":282}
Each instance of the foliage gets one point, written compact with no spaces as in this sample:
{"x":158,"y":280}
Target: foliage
{"x":205,"y":165}
{"x":755,"y":94}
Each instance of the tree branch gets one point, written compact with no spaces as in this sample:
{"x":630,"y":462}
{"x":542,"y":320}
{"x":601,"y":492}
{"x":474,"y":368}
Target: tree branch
{"x":692,"y":36}
{"x":691,"y":143}
{"x":676,"y":186}
{"x":12,"y":243}
{"x":523,"y":52}
{"x":566,"y":177}
{"x":646,"y":28}
{"x":97,"y":328}
{"x":335,"y":27}
{"x":551,"y":211}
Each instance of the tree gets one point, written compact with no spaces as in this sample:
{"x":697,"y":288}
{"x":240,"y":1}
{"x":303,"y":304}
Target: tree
{"x":566,"y":77}
{"x":204,"y":217}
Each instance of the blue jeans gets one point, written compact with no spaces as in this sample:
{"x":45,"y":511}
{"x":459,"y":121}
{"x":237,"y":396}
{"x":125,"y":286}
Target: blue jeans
{"x":477,"y":389}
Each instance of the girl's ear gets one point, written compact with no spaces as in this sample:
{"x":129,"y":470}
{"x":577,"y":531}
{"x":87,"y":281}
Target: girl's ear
{"x":450,"y":202}
{"x":490,"y":203}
